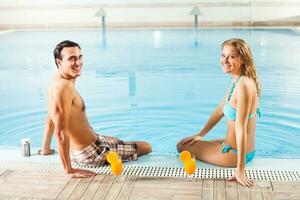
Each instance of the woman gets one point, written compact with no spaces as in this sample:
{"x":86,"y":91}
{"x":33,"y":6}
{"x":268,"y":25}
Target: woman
{"x":240,"y":107}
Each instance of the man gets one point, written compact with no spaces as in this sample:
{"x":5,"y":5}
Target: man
{"x":68,"y":121}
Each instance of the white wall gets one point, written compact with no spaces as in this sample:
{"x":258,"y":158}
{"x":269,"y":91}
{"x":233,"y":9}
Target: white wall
{"x":80,"y":13}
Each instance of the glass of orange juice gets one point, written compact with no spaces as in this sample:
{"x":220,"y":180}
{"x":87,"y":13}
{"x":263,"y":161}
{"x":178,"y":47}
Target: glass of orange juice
{"x":190,"y":167}
{"x":116,"y":167}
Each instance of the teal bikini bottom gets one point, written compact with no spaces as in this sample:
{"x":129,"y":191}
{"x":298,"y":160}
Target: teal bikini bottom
{"x":227,"y":148}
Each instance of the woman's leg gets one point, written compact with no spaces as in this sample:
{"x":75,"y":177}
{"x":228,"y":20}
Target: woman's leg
{"x":221,"y":140}
{"x":211,"y":152}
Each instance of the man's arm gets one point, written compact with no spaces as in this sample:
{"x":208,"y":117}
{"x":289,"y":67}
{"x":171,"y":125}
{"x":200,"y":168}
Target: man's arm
{"x":48,"y":133}
{"x":62,"y":103}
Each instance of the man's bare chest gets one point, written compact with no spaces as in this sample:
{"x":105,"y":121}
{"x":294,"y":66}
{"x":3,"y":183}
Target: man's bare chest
{"x":78,"y":102}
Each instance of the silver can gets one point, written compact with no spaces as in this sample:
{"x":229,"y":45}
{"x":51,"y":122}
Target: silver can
{"x":25,"y":147}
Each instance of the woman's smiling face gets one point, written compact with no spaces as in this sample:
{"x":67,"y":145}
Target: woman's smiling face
{"x":231,"y":61}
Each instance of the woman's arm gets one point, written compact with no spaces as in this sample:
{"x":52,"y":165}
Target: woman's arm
{"x":244,"y":101}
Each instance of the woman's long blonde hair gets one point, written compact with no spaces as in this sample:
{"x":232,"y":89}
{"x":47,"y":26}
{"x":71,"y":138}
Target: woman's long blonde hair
{"x":248,"y":68}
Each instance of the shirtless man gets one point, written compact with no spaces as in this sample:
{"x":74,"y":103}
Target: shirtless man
{"x":68,"y":121}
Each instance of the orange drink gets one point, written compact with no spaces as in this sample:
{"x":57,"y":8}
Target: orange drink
{"x":112,"y":157}
{"x":185,"y":156}
{"x":116,"y":167}
{"x":190,"y":166}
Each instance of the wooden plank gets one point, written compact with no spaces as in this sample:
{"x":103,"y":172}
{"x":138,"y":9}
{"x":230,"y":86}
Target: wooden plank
{"x":207,"y":189}
{"x":266,"y":189}
{"x":2,"y":171}
{"x":265,"y":186}
{"x":32,"y":191}
{"x":268,"y":195}
{"x":231,"y":185}
{"x":30,"y":174}
{"x":17,"y":186}
{"x":4,"y":197}
{"x":163,"y":193}
{"x":255,"y":192}
{"x":219,"y":189}
{"x":286,"y":186}
{"x":207,"y":194}
{"x":243,"y":192}
{"x":208,"y":183}
{"x":219,"y":194}
{"x":244,"y":195}
{"x":93,"y":187}
{"x":46,"y":185}
{"x":219,"y":184}
{"x":116,"y":188}
{"x":200,"y":181}
{"x":287,"y":195}
{"x":186,"y":197}
{"x":286,"y":189}
{"x":231,"y":190}
{"x":5,"y":175}
{"x":104,"y":187}
{"x":127,"y":188}
{"x":25,"y":198}
{"x":69,"y":188}
{"x":80,"y":188}
{"x":19,"y":177}
{"x":167,"y":182}
{"x":231,"y":194}
{"x":166,"y":188}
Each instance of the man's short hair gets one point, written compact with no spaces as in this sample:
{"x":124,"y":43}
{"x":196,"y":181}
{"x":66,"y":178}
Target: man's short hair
{"x":60,"y":46}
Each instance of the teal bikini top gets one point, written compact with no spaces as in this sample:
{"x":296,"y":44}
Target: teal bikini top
{"x":230,"y":112}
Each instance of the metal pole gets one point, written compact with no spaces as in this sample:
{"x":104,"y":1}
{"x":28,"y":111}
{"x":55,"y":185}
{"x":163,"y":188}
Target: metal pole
{"x":103,"y":31}
{"x":103,"y":22}
{"x":196,"y":30}
{"x":196,"y":22}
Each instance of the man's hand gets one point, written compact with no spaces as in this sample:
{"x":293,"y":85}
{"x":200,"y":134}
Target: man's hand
{"x":46,"y":152}
{"x":191,"y":140}
{"x":80,"y":173}
{"x":240,"y":177}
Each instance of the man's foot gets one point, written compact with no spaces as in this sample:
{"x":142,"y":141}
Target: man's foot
{"x":46,"y":152}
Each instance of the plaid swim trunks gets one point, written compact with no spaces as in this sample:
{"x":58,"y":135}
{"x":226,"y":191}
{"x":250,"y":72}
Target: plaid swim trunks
{"x":95,"y":154}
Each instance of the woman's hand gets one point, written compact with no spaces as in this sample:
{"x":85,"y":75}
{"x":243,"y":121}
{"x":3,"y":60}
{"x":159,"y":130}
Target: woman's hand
{"x":80,"y":173}
{"x":240,"y":176}
{"x":191,"y":140}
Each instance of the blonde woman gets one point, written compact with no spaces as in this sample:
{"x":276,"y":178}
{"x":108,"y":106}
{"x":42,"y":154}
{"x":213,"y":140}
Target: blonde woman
{"x":240,"y":107}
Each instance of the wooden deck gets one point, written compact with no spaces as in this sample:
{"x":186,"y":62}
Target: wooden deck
{"x":52,"y":185}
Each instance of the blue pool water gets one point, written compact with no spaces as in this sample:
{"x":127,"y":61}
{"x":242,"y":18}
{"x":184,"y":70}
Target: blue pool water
{"x":155,"y":85}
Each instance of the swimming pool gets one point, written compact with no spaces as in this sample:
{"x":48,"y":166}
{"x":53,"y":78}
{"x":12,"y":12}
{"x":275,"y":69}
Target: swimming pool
{"x":157,"y":85}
